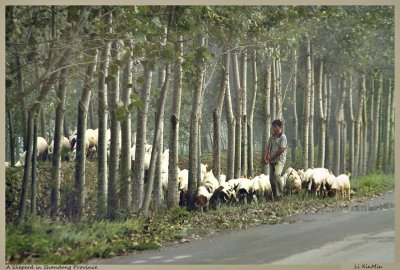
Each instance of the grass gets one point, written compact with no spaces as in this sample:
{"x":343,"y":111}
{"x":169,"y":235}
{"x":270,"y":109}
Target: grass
{"x":43,"y":241}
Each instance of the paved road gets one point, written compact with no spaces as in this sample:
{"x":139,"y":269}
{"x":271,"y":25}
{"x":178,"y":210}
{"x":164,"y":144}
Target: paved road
{"x":361,"y":234}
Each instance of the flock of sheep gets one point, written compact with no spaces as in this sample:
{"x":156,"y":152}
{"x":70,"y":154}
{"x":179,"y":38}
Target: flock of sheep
{"x":211,"y":191}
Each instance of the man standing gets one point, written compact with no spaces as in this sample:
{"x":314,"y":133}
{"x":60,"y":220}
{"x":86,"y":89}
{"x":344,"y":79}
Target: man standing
{"x":276,"y":156}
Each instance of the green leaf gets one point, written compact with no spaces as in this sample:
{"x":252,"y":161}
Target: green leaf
{"x":156,"y":22}
{"x":140,"y":37}
{"x":121,"y":114}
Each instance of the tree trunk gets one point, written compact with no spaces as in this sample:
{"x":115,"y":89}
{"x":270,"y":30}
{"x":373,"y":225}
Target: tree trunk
{"x":267,"y":112}
{"x":295,"y":118}
{"x":243,"y":84}
{"x":56,"y":157}
{"x":230,"y":123}
{"x":321,"y":109}
{"x":352,"y":127}
{"x":173,"y":197}
{"x":273,"y":88}
{"x":251,"y":116}
{"x":33,"y":114}
{"x":306,"y":108}
{"x":356,"y":170}
{"x":312,"y":106}
{"x":371,"y":129}
{"x":113,"y":163}
{"x":43,"y":124}
{"x":377,"y":137}
{"x":194,"y":129}
{"x":34,"y":169}
{"x":142,"y":113}
{"x":278,"y":89}
{"x":10,"y":116}
{"x":390,"y":158}
{"x":83,"y":107}
{"x":125,"y":169}
{"x":103,"y":119}
{"x":386,"y":139}
{"x":337,"y":168}
{"x":27,"y":170}
{"x":365,"y":134}
{"x":24,"y":105}
{"x":217,"y":117}
{"x":65,"y":126}
{"x":328,"y":114}
{"x":238,"y":117}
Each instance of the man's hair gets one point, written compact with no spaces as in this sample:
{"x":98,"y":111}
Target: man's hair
{"x":277,"y":122}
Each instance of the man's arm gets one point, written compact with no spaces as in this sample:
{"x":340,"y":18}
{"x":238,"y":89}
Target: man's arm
{"x":277,"y":153}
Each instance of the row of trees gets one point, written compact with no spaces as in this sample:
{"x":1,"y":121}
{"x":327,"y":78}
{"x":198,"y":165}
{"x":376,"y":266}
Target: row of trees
{"x":327,"y":71}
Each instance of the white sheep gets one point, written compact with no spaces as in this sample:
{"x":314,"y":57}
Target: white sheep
{"x":262,"y":187}
{"x":245,"y":190}
{"x":65,"y":148}
{"x":343,"y":181}
{"x":183,"y":179}
{"x":42,"y":150}
{"x":305,"y":176}
{"x":331,"y":186}
{"x":317,"y":178}
{"x":293,"y":183}
{"x":202,"y":198}
{"x":234,"y":183}
{"x":210,"y":182}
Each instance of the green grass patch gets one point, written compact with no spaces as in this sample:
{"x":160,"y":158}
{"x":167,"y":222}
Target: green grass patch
{"x":373,"y":184}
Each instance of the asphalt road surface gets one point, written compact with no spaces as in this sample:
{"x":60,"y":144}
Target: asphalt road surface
{"x":362,"y":233}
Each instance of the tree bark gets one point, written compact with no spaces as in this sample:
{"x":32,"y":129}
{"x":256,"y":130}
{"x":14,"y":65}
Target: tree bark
{"x":34,"y":169}
{"x":102,"y":168}
{"x":56,"y":157}
{"x":311,"y":121}
{"x":217,"y":116}
{"x":328,"y":100}
{"x":251,"y":117}
{"x":138,"y":172}
{"x":125,"y":167}
{"x":238,"y":131}
{"x":230,"y":123}
{"x":321,"y":109}
{"x":113,"y":176}
{"x":173,"y":198}
{"x":352,"y":127}
{"x":267,"y":111}
{"x":357,"y":129}
{"x":294,"y":104}
{"x":194,"y":129}
{"x":243,"y":84}
{"x":83,"y":107}
{"x":306,"y":108}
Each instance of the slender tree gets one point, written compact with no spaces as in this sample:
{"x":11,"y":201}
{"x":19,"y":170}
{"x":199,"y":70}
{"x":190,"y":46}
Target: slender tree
{"x":113,"y":163}
{"x":83,"y":107}
{"x":56,"y":157}
{"x":172,"y":199}
{"x":125,"y":164}
{"x":103,"y":119}
{"x":217,"y":116}
{"x":267,"y":110}
{"x":230,"y":122}
{"x":250,"y":142}
{"x":307,"y":104}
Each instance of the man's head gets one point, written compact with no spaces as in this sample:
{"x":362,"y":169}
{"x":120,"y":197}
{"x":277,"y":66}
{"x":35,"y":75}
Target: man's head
{"x":277,"y":126}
